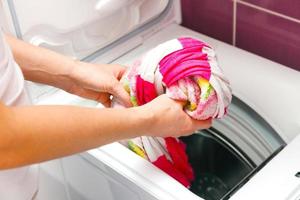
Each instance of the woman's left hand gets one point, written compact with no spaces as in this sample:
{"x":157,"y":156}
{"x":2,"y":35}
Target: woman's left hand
{"x":98,"y":82}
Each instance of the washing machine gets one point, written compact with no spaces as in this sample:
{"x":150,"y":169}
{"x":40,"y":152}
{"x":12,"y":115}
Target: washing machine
{"x":252,"y":153}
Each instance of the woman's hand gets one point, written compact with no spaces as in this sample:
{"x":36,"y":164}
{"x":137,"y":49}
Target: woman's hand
{"x":98,"y":82}
{"x":165,"y":117}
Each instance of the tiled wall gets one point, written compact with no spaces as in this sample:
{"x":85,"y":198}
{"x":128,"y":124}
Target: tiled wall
{"x":270,"y":28}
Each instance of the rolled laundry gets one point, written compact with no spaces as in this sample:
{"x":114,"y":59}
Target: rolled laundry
{"x":185,"y":69}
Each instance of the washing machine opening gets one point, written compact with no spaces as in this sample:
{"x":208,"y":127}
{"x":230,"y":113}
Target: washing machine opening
{"x":218,"y":168}
{"x":225,"y":156}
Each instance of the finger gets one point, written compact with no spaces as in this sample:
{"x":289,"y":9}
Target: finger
{"x":85,"y":93}
{"x":181,"y":103}
{"x":198,"y":125}
{"x":202,"y":124}
{"x":122,"y":72}
{"x":104,"y":98}
{"x":121,"y":95}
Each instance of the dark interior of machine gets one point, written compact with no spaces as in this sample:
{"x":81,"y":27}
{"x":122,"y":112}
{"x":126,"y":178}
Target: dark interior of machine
{"x":218,"y":169}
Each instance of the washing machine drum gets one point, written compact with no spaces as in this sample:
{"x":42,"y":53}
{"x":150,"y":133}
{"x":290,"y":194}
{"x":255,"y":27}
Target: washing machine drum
{"x":226,"y":155}
{"x":217,"y":168}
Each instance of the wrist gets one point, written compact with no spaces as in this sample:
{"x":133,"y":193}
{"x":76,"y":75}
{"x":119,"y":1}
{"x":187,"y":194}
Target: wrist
{"x":144,"y":119}
{"x":67,"y":78}
{"x":74,"y":68}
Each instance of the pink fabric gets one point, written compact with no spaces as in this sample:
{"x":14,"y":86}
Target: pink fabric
{"x":183,"y":63}
{"x":185,"y":69}
{"x":188,"y":42}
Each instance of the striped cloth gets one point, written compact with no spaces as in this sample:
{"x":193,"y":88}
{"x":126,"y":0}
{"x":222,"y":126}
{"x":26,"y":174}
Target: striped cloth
{"x":185,"y":69}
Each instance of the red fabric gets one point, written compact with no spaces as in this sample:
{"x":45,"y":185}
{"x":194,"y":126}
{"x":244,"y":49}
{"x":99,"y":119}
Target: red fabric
{"x":164,"y":164}
{"x":176,"y":149}
{"x":179,"y":168}
{"x":145,"y":91}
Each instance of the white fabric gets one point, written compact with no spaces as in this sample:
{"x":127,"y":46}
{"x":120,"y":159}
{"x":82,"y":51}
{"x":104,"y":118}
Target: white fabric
{"x":19,"y":183}
{"x":153,"y":57}
{"x":219,"y":82}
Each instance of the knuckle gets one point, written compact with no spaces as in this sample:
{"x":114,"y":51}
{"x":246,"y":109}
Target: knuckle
{"x":114,"y":87}
{"x":206,"y":124}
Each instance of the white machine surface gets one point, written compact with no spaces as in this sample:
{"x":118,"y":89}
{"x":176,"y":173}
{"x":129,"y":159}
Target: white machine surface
{"x":253,"y":153}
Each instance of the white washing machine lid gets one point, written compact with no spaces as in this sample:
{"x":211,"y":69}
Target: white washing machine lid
{"x":81,"y":28}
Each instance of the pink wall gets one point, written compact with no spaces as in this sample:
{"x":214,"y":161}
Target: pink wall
{"x":269,"y":28}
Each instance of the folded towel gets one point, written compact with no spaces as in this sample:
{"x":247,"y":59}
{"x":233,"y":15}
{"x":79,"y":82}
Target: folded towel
{"x":185,"y":69}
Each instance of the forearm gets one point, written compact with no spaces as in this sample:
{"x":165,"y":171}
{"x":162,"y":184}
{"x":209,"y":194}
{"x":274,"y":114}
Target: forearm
{"x":41,"y":65}
{"x":40,"y":133}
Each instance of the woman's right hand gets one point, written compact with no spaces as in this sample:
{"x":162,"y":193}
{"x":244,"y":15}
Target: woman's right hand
{"x":166,"y":117}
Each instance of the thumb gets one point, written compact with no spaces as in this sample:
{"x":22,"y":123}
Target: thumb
{"x":202,"y":124}
{"x":121,"y":95}
{"x":181,"y":103}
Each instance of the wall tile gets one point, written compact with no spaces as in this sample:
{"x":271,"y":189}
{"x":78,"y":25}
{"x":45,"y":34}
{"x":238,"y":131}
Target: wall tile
{"x":267,"y":35}
{"x":210,"y":17}
{"x":287,"y":7}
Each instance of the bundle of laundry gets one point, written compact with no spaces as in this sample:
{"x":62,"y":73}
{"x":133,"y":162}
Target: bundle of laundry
{"x":185,"y":69}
